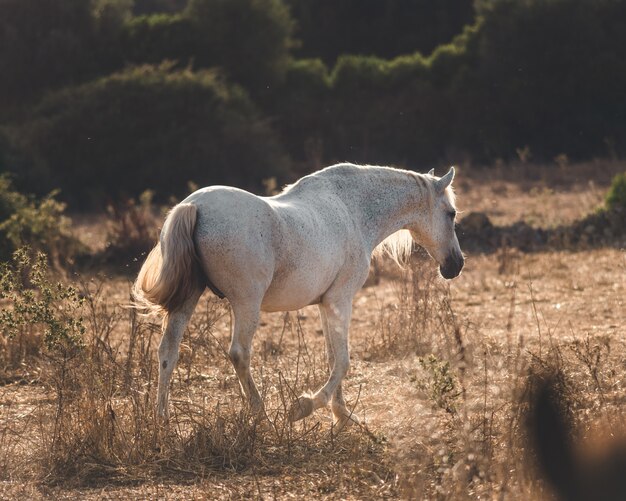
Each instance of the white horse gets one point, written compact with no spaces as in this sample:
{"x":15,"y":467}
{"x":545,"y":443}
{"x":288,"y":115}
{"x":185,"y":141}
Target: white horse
{"x":311,"y":244}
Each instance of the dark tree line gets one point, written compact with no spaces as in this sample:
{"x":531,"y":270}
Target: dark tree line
{"x":104,"y":98}
{"x":330,"y":28}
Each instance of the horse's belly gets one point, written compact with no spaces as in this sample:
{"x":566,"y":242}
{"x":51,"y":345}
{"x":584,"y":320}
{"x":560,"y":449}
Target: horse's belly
{"x":296,"y":291}
{"x":278,"y":303}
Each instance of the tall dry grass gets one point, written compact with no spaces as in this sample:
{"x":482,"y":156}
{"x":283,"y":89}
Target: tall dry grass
{"x":99,"y":425}
{"x":475,"y":390}
{"x":463,"y":437}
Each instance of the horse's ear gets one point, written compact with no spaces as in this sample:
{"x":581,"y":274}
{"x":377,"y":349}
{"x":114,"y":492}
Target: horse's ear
{"x":445,"y":181}
{"x":431,"y":172}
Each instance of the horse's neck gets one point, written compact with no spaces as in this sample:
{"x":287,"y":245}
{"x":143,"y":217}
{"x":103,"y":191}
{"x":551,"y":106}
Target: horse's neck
{"x":386,"y":202}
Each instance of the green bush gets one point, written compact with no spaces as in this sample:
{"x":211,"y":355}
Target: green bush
{"x":440,"y":382}
{"x":307,"y":75}
{"x":616,"y":196}
{"x":543,"y":74}
{"x":149,"y":127}
{"x":154,"y":38}
{"x":374,"y":110}
{"x":47,"y":44}
{"x":39,"y":302}
{"x":38,"y":224}
{"x":248,"y":40}
{"x":45,"y":317}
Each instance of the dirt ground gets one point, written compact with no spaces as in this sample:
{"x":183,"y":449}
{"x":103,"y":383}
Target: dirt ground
{"x":505,"y":311}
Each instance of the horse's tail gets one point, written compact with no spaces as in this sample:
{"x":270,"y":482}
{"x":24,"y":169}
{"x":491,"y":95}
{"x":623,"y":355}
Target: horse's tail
{"x":172,"y":271}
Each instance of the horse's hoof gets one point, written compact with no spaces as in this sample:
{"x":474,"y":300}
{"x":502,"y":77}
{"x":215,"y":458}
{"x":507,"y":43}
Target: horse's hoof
{"x":343,"y":420}
{"x":301,"y":408}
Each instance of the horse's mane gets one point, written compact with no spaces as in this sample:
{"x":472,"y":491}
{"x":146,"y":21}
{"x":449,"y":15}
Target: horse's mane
{"x":399,"y":245}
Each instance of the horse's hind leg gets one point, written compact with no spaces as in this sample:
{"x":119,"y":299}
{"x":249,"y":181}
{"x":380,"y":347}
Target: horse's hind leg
{"x":245,"y":325}
{"x":168,"y":349}
{"x":336,"y":324}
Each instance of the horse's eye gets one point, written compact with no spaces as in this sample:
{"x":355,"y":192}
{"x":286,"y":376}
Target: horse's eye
{"x":452,"y":214}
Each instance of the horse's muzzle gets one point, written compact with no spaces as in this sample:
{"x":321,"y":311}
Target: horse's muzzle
{"x":452,"y":266}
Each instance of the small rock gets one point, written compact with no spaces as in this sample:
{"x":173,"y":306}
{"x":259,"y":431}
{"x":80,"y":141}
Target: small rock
{"x":476,"y":222}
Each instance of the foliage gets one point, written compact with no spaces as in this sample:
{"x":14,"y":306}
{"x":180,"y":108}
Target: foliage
{"x":553,"y":74}
{"x":543,"y":77}
{"x":249,"y":39}
{"x":616,"y":196}
{"x":112,"y":11}
{"x":43,"y":44}
{"x":39,"y":224}
{"x":38,"y":305}
{"x":384,"y":28}
{"x":148,"y":127}
{"x":154,"y":38}
{"x":540,"y":76}
{"x":374,"y":110}
{"x":440,"y":382}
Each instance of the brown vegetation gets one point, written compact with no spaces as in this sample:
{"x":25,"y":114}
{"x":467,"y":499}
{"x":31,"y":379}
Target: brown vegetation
{"x":439,"y":373}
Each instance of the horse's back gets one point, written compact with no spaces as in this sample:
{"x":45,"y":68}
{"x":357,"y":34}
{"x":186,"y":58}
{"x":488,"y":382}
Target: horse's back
{"x":291,"y":246}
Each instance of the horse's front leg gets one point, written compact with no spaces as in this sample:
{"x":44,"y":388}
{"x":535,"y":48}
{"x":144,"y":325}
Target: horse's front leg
{"x":168,"y":350}
{"x":245,"y":325}
{"x":341,"y":414}
{"x":335,"y":322}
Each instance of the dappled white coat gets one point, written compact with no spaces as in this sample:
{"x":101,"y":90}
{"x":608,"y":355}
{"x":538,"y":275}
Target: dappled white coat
{"x":311,"y":244}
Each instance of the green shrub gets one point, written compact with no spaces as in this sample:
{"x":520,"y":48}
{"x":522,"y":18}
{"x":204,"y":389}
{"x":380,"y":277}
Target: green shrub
{"x":547,"y":74}
{"x":39,"y":224}
{"x":148,"y":127}
{"x":439,"y":382}
{"x":248,"y":40}
{"x":310,"y":75}
{"x":616,"y":196}
{"x":41,"y":310}
{"x":553,"y":75}
{"x":378,"y":111}
{"x":154,"y":38}
{"x":352,"y":73}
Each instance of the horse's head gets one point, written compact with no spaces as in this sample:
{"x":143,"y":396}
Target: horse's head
{"x":434,"y":227}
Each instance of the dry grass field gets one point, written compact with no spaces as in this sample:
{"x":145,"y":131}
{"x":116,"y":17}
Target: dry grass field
{"x":439,"y":376}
